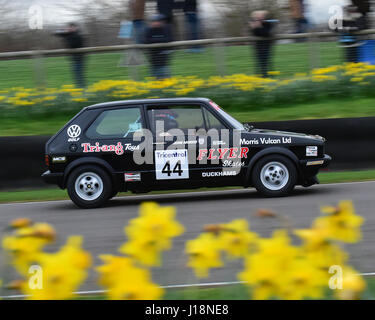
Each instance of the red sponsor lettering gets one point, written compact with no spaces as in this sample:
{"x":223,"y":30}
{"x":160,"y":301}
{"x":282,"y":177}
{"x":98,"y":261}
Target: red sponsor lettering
{"x":202,"y":153}
{"x":222,"y":152}
{"x":211,"y":155}
{"x":244,"y":151}
{"x":232,"y":153}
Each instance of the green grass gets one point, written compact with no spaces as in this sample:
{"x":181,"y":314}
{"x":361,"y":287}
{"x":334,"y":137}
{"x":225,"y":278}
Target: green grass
{"x":362,"y":107}
{"x":57,"y":194}
{"x":288,"y":58}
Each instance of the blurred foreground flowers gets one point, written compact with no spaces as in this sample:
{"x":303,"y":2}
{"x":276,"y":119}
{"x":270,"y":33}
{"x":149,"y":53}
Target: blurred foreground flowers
{"x":273,"y":268}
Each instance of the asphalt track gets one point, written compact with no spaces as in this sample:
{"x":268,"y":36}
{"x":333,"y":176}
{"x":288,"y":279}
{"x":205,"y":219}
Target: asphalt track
{"x":102,"y":228}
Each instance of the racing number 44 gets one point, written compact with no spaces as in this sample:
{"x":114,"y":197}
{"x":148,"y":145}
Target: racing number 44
{"x":171,"y":164}
{"x":177,"y":169}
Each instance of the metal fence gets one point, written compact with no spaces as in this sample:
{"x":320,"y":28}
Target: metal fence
{"x":291,"y":53}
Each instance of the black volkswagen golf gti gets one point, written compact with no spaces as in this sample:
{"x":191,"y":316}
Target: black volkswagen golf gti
{"x":161,"y":144}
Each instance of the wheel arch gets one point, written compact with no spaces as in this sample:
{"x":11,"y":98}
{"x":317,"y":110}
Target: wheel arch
{"x":266,"y":152}
{"x":90,"y":161}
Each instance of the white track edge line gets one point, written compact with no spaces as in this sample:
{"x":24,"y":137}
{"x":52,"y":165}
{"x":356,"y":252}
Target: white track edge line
{"x":173,"y":286}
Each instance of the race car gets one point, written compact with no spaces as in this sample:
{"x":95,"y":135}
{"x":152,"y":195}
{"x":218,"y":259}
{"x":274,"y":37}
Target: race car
{"x":170,"y":144}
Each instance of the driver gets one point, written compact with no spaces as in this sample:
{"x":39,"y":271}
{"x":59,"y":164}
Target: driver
{"x":168,"y":117}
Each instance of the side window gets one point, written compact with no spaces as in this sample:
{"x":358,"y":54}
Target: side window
{"x":212,"y":121}
{"x":177,"y":117}
{"x":119,"y":123}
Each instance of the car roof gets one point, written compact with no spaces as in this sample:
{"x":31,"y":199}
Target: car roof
{"x":146,"y":101}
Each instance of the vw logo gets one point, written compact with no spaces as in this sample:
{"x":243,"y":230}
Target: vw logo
{"x":74,"y":131}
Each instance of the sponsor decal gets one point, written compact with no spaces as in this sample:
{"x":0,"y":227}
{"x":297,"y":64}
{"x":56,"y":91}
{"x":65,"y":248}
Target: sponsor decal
{"x":275,"y":140}
{"x":219,"y":174}
{"x":171,"y":164}
{"x":249,"y":142}
{"x":58,"y":159}
{"x":235,"y":164}
{"x":117,"y":148}
{"x":255,"y":141}
{"x":311,"y":151}
{"x":132,"y":176}
{"x":220,"y":142}
{"x":74,"y":131}
{"x":221,"y":153}
{"x":185,"y":142}
{"x":130,"y":147}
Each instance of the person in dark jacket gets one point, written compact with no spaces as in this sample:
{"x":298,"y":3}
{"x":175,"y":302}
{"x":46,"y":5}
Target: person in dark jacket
{"x":262,"y":26}
{"x":73,"y":40}
{"x":165,"y":8}
{"x":353,"y":20}
{"x":192,"y":21}
{"x":158,"y":31}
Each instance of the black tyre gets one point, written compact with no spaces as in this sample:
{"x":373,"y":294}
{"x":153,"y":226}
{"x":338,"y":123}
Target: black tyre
{"x":274,"y":176}
{"x":89,"y":186}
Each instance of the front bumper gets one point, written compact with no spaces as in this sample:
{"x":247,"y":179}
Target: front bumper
{"x":310,"y":168}
{"x":53,"y":178}
{"x":316,"y":163}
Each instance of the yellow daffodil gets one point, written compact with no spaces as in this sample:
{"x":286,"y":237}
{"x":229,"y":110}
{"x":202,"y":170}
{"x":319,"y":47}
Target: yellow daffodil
{"x":124,"y":281}
{"x":303,"y":279}
{"x":235,"y":238}
{"x":204,"y":254}
{"x":341,"y":223}
{"x":352,"y":285}
{"x":61,"y":273}
{"x":151,"y":232}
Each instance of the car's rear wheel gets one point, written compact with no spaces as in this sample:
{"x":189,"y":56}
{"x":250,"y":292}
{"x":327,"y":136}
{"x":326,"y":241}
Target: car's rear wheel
{"x":89,"y":186}
{"x":274,"y":176}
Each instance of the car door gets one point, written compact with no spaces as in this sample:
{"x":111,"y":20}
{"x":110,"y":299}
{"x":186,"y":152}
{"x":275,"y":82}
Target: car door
{"x":175,"y":147}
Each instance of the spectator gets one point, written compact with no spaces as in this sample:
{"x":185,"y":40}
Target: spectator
{"x":262,"y":26}
{"x":74,"y":40}
{"x":165,"y":8}
{"x":364,"y":8}
{"x":298,"y":15}
{"x":352,"y":22}
{"x":137,"y":8}
{"x":192,"y":21}
{"x":158,"y":31}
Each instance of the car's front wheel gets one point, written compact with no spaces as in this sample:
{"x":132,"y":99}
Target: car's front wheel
{"x":274,"y":176}
{"x":89,"y":186}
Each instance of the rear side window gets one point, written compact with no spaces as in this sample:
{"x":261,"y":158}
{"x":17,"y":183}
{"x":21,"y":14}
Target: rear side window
{"x":119,"y":123}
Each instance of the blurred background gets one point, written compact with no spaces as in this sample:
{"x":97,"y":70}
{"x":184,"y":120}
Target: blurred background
{"x":32,"y":25}
{"x":294,"y":65}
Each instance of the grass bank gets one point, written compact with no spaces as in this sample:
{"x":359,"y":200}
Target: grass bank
{"x":332,"y":108}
